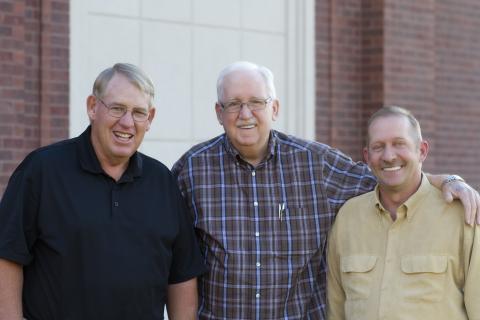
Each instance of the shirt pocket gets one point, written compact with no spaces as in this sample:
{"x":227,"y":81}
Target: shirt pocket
{"x":296,"y":234}
{"x":423,"y":277}
{"x":357,"y":275}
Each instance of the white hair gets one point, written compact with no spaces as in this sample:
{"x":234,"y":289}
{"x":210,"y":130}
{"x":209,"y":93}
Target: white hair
{"x":266,"y":74}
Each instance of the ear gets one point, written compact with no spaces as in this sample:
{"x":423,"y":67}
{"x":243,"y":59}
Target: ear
{"x":365,"y":154}
{"x":275,"y":109}
{"x":151,"y":115}
{"x":424,"y":147}
{"x":219,"y":112}
{"x":91,"y":109}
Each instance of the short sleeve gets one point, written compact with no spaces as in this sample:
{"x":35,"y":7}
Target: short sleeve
{"x":187,"y":262}
{"x":18,"y":209}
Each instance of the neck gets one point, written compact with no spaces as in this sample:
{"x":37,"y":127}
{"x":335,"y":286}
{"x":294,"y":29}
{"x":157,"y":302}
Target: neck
{"x":113,"y":167}
{"x":253,"y":157}
{"x":253,"y":154}
{"x":393,"y":199}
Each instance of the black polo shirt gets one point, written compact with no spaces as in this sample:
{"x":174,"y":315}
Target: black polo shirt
{"x":91,"y":247}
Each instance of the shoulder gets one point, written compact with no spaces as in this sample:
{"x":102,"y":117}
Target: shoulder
{"x":436,"y":202}
{"x":150,"y":163}
{"x":59,"y":151}
{"x":199,"y":150}
{"x":293,"y":143}
{"x":357,"y":207}
{"x":154,"y":169}
{"x":324,"y":152}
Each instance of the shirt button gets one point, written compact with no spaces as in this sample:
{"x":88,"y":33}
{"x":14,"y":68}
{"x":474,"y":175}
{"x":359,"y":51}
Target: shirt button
{"x":253,"y":173}
{"x":257,"y":264}
{"x":255,"y":204}
{"x":115,"y":203}
{"x":257,"y":295}
{"x":257,"y":234}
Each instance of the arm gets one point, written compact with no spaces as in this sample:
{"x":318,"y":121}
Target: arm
{"x":182,"y":300}
{"x":343,"y":178}
{"x":11,"y":282}
{"x":458,"y":189}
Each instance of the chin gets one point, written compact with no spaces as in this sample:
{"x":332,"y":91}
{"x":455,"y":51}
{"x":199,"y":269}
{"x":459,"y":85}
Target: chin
{"x":123,"y":153}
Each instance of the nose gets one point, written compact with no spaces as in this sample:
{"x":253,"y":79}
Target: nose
{"x":245,"y":111}
{"x":389,"y":154}
{"x":127,"y":119}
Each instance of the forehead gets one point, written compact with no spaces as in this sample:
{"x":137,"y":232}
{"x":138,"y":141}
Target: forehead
{"x":390,"y":127}
{"x":121,"y":90}
{"x":244,"y":83}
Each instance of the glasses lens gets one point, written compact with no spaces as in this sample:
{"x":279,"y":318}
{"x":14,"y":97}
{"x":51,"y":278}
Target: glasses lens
{"x":253,"y":105}
{"x":140,"y":115}
{"x":233,"y":107}
{"x":117,"y":111}
{"x":256,"y":104}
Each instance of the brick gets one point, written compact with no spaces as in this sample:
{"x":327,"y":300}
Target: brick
{"x":6,"y":6}
{"x":25,"y":78}
{"x":421,"y":54}
{"x":5,"y":31}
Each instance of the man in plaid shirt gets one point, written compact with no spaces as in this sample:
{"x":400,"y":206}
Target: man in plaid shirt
{"x":263,"y":203}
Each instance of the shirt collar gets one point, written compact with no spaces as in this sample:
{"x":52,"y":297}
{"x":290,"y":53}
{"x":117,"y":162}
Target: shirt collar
{"x":89,"y":162}
{"x":411,"y":204}
{"x":233,"y":152}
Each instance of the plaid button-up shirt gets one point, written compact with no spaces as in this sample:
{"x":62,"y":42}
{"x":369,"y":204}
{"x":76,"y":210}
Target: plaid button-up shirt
{"x":263,"y":229}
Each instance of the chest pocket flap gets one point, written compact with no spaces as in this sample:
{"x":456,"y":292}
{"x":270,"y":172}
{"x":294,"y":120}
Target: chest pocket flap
{"x":357,"y":263}
{"x":421,"y":264}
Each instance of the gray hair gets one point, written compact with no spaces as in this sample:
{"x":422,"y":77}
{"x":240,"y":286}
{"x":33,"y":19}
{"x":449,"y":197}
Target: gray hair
{"x":397,"y":111}
{"x":266,"y":74}
{"x":134,"y":74}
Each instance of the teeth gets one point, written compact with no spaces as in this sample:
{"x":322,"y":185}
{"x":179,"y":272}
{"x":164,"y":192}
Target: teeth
{"x":392,"y":168}
{"x":248,"y":126}
{"x":123,"y":135}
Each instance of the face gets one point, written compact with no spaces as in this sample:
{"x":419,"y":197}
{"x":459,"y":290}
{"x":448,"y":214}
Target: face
{"x":394,"y":155}
{"x":247,"y":130}
{"x":115,"y":140}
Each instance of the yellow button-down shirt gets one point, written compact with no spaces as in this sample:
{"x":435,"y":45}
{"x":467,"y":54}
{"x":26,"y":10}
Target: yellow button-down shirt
{"x":424,"y":265}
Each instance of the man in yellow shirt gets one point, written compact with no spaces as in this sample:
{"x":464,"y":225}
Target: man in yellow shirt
{"x":401,"y":251}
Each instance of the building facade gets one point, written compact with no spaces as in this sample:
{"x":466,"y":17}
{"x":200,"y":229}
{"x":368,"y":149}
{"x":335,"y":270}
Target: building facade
{"x":335,"y":63}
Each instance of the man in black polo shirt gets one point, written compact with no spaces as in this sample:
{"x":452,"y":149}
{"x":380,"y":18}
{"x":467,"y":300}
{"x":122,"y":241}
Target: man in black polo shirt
{"x":92,"y":229}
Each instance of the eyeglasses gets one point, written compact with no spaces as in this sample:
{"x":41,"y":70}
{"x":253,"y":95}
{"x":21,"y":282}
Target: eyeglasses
{"x":235,"y":106}
{"x":118,"y":110}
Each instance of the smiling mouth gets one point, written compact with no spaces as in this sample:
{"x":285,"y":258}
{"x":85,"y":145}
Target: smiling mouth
{"x":123,"y":136}
{"x":247,"y":126}
{"x":392,"y":168}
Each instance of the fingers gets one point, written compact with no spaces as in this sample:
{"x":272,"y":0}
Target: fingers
{"x":469,"y":197}
{"x":447,"y":195}
{"x":477,"y":209}
{"x":466,"y":199}
{"x":474,"y":199}
{"x":471,"y":202}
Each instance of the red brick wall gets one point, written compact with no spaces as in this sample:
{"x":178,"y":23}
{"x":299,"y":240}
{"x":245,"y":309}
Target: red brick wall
{"x":34,"y":51}
{"x":349,"y":53}
{"x":457,"y":87}
{"x":409,"y":63}
{"x":423,"y":55}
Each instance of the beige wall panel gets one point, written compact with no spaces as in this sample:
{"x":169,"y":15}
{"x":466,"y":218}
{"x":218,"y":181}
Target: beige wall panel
{"x":183,"y":44}
{"x":168,"y":10}
{"x":213,"y":49}
{"x":115,"y":7}
{"x":166,"y":55}
{"x":217,"y":12}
